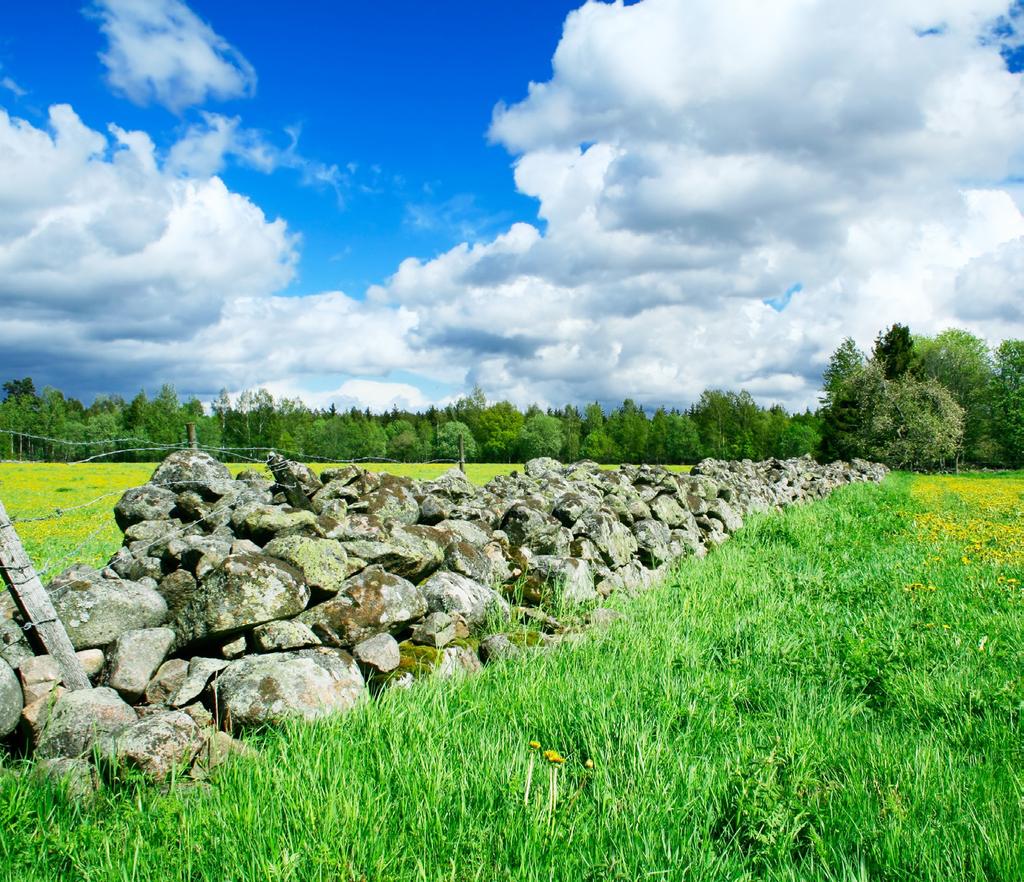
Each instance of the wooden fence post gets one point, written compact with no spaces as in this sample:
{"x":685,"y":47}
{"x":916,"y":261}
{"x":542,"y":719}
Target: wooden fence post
{"x":193,"y":442}
{"x":462,"y":454}
{"x":35,"y":605}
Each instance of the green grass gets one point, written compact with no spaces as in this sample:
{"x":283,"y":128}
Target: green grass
{"x":782,"y":710}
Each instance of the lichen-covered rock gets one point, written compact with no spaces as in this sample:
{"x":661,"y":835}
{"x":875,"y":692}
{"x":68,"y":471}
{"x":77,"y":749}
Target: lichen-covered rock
{"x":613,"y":540}
{"x":80,"y":719}
{"x":722,"y":511}
{"x":156,"y":745}
{"x":528,"y":526}
{"x":261,"y":523}
{"x":11,"y":700}
{"x":322,"y":562}
{"x":654,"y":540}
{"x":282,"y":636}
{"x":134,"y":659}
{"x":145,"y":503}
{"x":666,"y":508}
{"x":246,"y":590}
{"x":309,"y":683}
{"x":96,"y":611}
{"x":392,"y":502}
{"x":475,"y":603}
{"x":371,"y":602}
{"x":193,"y":470}
{"x":568,"y":579}
{"x":413,"y":552}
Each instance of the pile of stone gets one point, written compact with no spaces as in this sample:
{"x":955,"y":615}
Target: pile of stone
{"x":236,"y":602}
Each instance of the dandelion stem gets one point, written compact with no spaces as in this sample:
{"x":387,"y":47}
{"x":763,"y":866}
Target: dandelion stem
{"x":529,"y":781}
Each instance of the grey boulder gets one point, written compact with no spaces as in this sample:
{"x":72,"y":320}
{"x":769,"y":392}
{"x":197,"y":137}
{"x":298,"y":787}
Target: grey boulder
{"x":135,"y":658}
{"x":371,"y":602}
{"x":80,"y":719}
{"x":309,"y":683}
{"x":454,"y":593}
{"x":245,"y":590}
{"x":193,"y":470}
{"x":96,"y":611}
{"x":156,"y":745}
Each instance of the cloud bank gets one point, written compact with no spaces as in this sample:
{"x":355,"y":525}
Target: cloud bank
{"x":725,"y":189}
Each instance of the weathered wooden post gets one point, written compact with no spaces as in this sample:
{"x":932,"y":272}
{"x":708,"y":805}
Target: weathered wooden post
{"x":193,"y":442}
{"x":35,"y":605}
{"x":462,"y":454}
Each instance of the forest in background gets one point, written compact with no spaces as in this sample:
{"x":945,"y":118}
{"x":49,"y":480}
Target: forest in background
{"x":913,"y":402}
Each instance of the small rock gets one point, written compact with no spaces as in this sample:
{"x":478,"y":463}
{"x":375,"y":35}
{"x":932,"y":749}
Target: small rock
{"x":199,"y":672}
{"x":603,"y":616}
{"x":379,"y":653}
{"x":437,"y":630}
{"x":234,"y":649}
{"x":218,"y":749}
{"x":167,"y":681}
{"x":34,"y":716}
{"x":496,"y":647}
{"x":136,"y":656}
{"x":283,"y":635}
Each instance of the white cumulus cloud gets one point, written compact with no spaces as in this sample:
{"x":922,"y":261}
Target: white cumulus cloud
{"x":161,"y":51}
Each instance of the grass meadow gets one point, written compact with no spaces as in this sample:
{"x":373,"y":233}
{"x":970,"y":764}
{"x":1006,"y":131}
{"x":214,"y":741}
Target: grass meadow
{"x":834,"y":694}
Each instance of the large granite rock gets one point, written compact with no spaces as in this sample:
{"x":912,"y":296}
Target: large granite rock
{"x":371,"y":602}
{"x":96,"y":611}
{"x":309,"y":683}
{"x":246,"y":590}
{"x":322,"y":563}
{"x":80,"y":719}
{"x":454,"y":593}
{"x":196,"y":471}
{"x":156,"y":745}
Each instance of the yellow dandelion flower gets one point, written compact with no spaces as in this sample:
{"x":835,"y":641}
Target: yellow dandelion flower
{"x":535,"y":745}
{"x":553,"y":756}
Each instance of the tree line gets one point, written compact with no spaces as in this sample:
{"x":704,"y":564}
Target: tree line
{"x":914,"y":402}
{"x":721,"y":424}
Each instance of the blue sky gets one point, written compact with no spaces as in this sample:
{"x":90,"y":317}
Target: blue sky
{"x":389,"y":203}
{"x":401,"y":90}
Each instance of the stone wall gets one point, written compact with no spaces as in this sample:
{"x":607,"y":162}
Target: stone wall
{"x":257,"y":599}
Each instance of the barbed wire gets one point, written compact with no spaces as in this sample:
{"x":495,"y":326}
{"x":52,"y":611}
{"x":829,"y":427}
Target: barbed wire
{"x":239,"y":452}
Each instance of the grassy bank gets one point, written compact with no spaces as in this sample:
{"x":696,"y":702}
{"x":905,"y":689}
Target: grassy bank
{"x":833,"y":694}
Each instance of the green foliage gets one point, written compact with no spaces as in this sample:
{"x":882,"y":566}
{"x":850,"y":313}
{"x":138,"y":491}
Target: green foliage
{"x":1008,"y":395}
{"x":498,"y":431}
{"x":541,"y":436}
{"x":447,"y":444}
{"x":894,"y":351}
